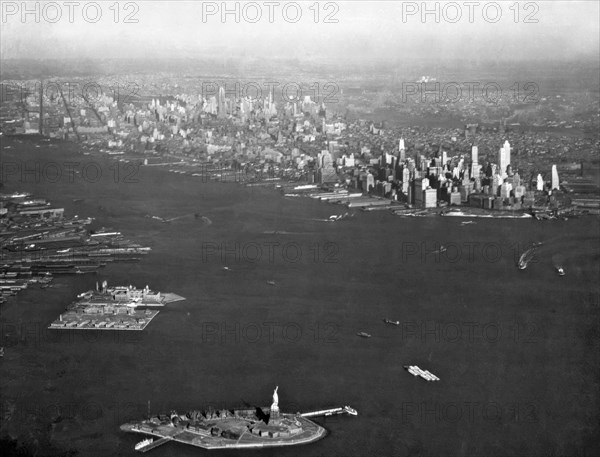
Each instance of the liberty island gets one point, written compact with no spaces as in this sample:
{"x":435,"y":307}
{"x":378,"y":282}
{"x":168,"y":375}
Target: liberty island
{"x":238,"y":428}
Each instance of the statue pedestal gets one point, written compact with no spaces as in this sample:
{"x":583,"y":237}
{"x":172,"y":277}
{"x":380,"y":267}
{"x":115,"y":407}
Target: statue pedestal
{"x":274,"y":412}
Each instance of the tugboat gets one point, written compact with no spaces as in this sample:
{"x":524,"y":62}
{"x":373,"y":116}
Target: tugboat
{"x":387,"y":321}
{"x":364,"y":335}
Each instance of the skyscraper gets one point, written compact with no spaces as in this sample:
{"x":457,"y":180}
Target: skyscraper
{"x":221,"y":101}
{"x":540,"y":182}
{"x":504,"y":158}
{"x":475,"y":167}
{"x":555,"y":181}
{"x":402,"y":150}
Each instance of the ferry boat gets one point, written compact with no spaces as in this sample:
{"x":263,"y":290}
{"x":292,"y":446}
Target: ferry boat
{"x":416,"y":371}
{"x":364,"y":334}
{"x":142,"y":444}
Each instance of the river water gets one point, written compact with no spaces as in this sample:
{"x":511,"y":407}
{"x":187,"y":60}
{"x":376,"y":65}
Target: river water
{"x":515,"y":349}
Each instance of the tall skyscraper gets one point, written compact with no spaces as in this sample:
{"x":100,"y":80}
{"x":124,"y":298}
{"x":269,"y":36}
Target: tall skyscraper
{"x":475,"y":167}
{"x":474,"y":154}
{"x":405,"y":180}
{"x":540,"y":182}
{"x":504,"y":158}
{"x":402,"y":150}
{"x":420,"y":186}
{"x":555,"y":181}
{"x":221,"y":101}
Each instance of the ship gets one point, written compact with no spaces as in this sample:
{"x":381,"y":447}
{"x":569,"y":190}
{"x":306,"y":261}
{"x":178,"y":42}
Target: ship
{"x":525,"y":258}
{"x":416,"y":371}
{"x":143,"y":443}
{"x":560,"y":270}
{"x":242,"y":428}
{"x":338,"y":217}
{"x":364,"y":334}
{"x":388,"y":321}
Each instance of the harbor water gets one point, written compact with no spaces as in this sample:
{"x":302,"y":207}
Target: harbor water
{"x":515,"y":350}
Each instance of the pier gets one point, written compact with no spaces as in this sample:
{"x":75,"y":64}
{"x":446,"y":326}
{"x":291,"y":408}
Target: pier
{"x":331,"y":412}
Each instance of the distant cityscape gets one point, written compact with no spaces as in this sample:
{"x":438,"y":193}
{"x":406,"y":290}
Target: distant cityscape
{"x":211,"y":131}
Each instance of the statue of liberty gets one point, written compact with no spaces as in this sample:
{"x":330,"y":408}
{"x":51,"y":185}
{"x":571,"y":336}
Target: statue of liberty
{"x":275,"y":404}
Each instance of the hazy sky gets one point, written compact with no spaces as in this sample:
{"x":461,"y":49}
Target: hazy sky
{"x":542,"y":29}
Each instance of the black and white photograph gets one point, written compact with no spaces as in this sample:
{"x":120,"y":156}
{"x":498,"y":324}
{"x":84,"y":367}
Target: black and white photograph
{"x":300,"y":228}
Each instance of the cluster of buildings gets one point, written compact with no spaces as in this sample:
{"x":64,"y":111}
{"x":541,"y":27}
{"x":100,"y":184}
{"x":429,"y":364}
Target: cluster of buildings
{"x":442,"y":180}
{"x":303,"y":140}
{"x":116,"y":308}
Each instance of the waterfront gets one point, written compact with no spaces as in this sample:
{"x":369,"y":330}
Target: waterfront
{"x":522,"y":370}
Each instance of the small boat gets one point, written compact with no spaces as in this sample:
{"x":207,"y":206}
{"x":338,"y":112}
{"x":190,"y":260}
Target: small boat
{"x":143,"y":443}
{"x":560,"y":271}
{"x":388,"y":321}
{"x":271,"y":282}
{"x":467,"y":222}
{"x":364,"y":335}
{"x":525,"y":258}
{"x":350,"y":411}
{"x":441,"y":250}
{"x":225,"y":268}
